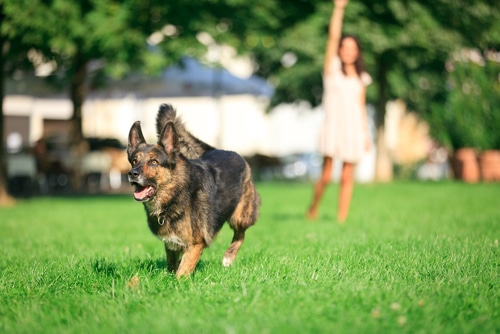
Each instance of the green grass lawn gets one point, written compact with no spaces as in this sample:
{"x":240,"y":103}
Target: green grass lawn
{"x":411,"y":258}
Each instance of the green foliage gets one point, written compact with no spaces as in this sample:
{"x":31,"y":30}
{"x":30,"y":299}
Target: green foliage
{"x":428,"y":262}
{"x":74,"y":32}
{"x":471,"y":115}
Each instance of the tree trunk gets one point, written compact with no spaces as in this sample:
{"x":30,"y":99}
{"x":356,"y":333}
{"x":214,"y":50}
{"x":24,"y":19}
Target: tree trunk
{"x":383,"y":164}
{"x":5,"y":199}
{"x":78,"y":144}
{"x":382,"y":90}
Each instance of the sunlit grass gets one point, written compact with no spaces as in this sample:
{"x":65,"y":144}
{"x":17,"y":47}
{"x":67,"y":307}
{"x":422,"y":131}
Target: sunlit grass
{"x":412,"y":257}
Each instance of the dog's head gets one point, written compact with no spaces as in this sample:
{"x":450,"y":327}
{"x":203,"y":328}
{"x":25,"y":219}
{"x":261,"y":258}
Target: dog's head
{"x":152,"y":165}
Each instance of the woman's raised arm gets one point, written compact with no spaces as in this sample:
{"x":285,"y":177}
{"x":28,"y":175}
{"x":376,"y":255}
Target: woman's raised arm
{"x":334,"y":32}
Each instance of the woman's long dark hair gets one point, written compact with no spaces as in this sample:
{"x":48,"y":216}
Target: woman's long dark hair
{"x":358,"y":64}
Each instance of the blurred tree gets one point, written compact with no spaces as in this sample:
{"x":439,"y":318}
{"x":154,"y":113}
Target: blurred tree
{"x":84,"y":41}
{"x":12,"y":55}
{"x":478,"y":24}
{"x":4,"y":196}
{"x":470,"y":118}
{"x":71,"y":36}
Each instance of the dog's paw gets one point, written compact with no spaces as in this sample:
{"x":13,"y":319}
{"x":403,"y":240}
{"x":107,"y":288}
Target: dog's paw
{"x":227,"y":262}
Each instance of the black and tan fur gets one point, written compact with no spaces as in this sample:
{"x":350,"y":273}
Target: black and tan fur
{"x":189,"y":190}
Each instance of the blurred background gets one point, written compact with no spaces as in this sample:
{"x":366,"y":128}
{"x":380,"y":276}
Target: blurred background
{"x":245,"y":76}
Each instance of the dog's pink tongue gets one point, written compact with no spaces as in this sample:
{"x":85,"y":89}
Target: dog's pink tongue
{"x":142,"y":192}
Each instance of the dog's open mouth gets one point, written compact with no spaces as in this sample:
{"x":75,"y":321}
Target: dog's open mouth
{"x":143,"y":193}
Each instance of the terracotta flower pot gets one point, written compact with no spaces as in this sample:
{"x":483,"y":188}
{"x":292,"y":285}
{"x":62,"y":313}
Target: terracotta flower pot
{"x":489,"y":165}
{"x":465,"y":165}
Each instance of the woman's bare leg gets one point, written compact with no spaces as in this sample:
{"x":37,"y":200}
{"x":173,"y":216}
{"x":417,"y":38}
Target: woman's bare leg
{"x":319,"y":188}
{"x":345,"y":192}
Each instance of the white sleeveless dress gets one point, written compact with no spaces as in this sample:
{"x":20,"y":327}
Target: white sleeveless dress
{"x":342,"y":133}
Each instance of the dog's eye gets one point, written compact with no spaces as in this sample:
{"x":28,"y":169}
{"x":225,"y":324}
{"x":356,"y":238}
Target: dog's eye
{"x":154,"y":162}
{"x":134,"y":162}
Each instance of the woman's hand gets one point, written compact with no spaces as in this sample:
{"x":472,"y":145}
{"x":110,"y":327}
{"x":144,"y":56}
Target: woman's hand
{"x":368,"y":144}
{"x":340,"y":3}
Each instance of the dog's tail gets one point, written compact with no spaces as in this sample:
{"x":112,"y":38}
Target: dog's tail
{"x":190,"y":146}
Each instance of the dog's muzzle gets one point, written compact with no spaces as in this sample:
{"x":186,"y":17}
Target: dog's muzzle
{"x":142,"y":191}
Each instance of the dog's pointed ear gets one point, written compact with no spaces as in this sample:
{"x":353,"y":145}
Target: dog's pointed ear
{"x":135,"y":137}
{"x":169,"y":139}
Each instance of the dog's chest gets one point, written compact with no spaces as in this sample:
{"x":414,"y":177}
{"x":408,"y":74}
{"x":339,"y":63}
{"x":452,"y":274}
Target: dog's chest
{"x":173,"y":242}
{"x":173,"y":238}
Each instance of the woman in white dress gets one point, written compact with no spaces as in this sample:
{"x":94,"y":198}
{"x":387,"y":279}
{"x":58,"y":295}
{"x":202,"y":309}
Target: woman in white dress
{"x":344,"y":132}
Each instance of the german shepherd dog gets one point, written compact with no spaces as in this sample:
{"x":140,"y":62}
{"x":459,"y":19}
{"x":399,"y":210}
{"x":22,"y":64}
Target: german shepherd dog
{"x":189,"y":190}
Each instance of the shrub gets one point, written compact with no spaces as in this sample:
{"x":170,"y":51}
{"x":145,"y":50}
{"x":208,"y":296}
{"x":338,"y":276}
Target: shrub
{"x":470,"y":116}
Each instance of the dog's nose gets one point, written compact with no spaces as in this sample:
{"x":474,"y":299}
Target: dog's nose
{"x":133,"y":173}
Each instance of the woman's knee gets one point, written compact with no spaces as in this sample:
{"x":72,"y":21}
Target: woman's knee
{"x":347,"y":174}
{"x":326,"y":174}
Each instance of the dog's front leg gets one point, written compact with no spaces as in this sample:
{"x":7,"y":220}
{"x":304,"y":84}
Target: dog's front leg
{"x":189,"y":259}
{"x":172,"y":259}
